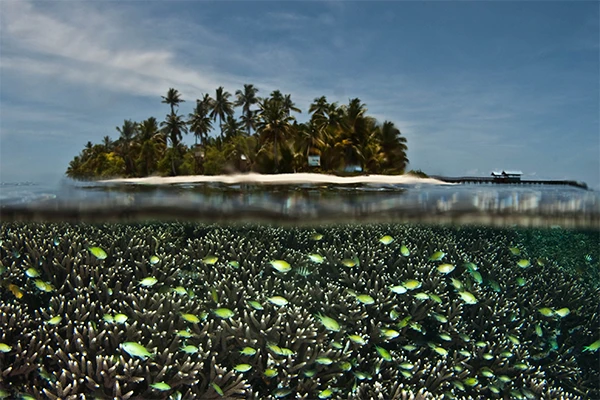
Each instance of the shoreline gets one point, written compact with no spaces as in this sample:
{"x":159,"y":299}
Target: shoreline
{"x":280,"y":179}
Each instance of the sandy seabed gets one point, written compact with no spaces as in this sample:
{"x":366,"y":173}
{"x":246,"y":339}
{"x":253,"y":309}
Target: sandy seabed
{"x":281,"y":179}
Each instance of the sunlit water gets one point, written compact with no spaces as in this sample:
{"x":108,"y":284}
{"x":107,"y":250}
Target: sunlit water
{"x":378,"y":291}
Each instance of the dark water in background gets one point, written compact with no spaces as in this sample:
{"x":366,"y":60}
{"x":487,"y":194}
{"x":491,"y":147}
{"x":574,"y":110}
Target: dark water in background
{"x":526,"y":332}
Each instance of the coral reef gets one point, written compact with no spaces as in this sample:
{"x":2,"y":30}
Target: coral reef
{"x":176,"y":310}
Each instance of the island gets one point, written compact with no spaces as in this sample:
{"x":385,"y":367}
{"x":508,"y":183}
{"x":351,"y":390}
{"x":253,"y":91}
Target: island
{"x":266,"y":138}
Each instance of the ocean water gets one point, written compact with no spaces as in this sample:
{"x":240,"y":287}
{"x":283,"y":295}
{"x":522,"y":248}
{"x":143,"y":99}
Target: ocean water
{"x":371,"y":292}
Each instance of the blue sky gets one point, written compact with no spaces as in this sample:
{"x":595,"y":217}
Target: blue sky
{"x":473,"y":86}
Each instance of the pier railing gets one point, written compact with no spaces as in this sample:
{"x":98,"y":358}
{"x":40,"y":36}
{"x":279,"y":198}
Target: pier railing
{"x":508,"y":181}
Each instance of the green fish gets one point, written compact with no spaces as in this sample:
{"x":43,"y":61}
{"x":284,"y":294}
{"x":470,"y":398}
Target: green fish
{"x":337,"y":345}
{"x":521,"y":281}
{"x":190,"y":318}
{"x":365,"y":299}
{"x":439,"y":317}
{"x":161,"y":386}
{"x":562,"y":312}
{"x":440,"y":350}
{"x":458,"y":285}
{"x":477,"y":277}
{"x":592,"y":347}
{"x":406,"y":365}
{"x":248,"y":351}
{"x":154,"y":260}
{"x":437,"y":256}
{"x":324,"y":361}
{"x":280,"y":266}
{"x":435,"y":298}
{"x":523,"y":263}
{"x":471,"y":382}
{"x":386,"y":240}
{"x":390,"y":334}
{"x":43,"y":286}
{"x":5,"y":348}
{"x":467,"y":297}
{"x":325,"y":394}
{"x":350,"y":262}
{"x":316,"y":258}
{"x":98,"y":253}
{"x":54,"y":320}
{"x":515,"y":251}
{"x":329,"y":323}
{"x":316,"y":236}
{"x":210,"y":259}
{"x":242,"y":367}
{"x":108,"y":318}
{"x":514,"y":339}
{"x":224,"y":313}
{"x":546,"y":312}
{"x":384,"y":353}
{"x":404,"y":251}
{"x":445,"y":268}
{"x":180,"y":290}
{"x":287,"y":352}
{"x":404,"y":323}
{"x":281,"y":392}
{"x":470,"y":266}
{"x":189,"y":349}
{"x":217,"y":389}
{"x":398,"y":289}
{"x":270,"y":373}
{"x":345,"y":366}
{"x":411,"y":284}
{"x":256,"y":305}
{"x":357,"y":339}
{"x":149,"y":281}
{"x":135,"y":349}
{"x":234,"y":264}
{"x":32,"y":272}
{"x":278,"y":300}
{"x":445,"y":336}
{"x":120,"y":318}
{"x":184,"y":334}
{"x":421,"y":296}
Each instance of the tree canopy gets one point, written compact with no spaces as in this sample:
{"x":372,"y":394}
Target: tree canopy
{"x":265,"y":138}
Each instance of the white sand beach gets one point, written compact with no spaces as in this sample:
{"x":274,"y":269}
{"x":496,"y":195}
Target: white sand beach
{"x":281,"y":179}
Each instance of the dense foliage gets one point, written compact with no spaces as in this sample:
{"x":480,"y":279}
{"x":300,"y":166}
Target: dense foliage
{"x":266,"y":138}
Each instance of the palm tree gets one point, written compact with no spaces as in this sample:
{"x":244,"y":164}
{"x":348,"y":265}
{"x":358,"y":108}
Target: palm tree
{"x":274,"y":124}
{"x":173,"y":98}
{"x":393,"y":147}
{"x":222,"y":107}
{"x":173,"y":126}
{"x":199,"y":121}
{"x":232,"y":127}
{"x":152,"y":143}
{"x":289,"y":105}
{"x":246,"y":99}
{"x":107,"y":143}
{"x":127,"y":133}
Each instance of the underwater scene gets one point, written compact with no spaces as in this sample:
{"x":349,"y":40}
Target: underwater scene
{"x":400,"y":307}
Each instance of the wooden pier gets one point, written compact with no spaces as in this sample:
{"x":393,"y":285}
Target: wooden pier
{"x":508,"y":181}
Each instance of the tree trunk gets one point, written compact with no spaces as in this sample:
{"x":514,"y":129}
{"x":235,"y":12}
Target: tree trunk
{"x":275,"y":154}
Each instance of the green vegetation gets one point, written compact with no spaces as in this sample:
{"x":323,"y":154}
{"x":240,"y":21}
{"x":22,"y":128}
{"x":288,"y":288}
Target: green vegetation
{"x":266,"y":138}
